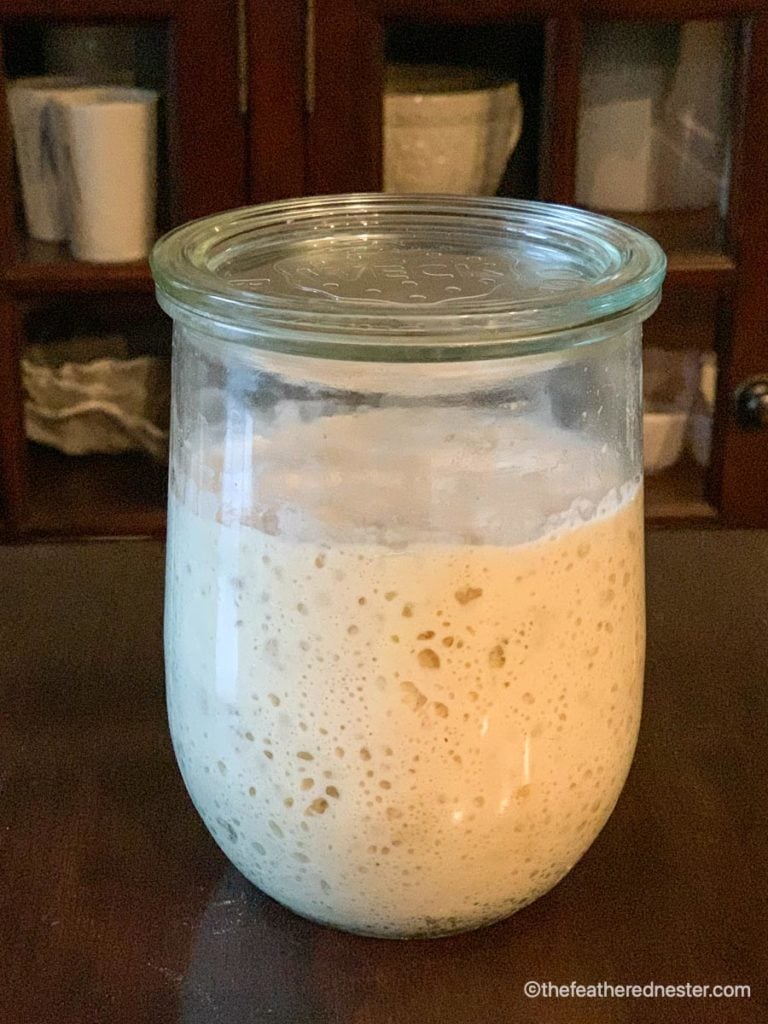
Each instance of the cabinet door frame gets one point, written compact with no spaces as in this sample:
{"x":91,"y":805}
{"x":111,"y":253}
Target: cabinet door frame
{"x":739,"y":476}
{"x":208,"y":128}
{"x":278,"y":69}
{"x":344,"y":136}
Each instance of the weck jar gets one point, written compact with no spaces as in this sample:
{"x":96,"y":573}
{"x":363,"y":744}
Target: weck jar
{"x":405,"y":606}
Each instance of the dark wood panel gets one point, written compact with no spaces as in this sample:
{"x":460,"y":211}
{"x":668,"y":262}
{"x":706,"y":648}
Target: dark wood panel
{"x":739,"y":97}
{"x":95,"y":495}
{"x":7,"y":172}
{"x":560,"y":117}
{"x":277,"y":116}
{"x":346,"y":122}
{"x":12,"y":475}
{"x":740,"y":457}
{"x":207,"y":137}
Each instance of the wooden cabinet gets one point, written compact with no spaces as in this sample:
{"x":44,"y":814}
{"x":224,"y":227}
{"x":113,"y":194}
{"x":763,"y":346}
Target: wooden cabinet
{"x":262,"y":101}
{"x":192,"y":53}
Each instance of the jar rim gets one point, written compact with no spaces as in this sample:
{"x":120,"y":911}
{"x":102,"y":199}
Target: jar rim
{"x":297,"y":275}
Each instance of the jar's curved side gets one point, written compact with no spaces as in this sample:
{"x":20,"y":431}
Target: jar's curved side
{"x":405,"y":630}
{"x":548,"y":436}
{"x":459,"y":756}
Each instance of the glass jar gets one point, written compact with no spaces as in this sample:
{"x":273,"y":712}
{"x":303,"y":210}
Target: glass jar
{"x":405,"y":609}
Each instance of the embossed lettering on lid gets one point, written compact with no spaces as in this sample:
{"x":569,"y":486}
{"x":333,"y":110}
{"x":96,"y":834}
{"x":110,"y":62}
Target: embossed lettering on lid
{"x":404,"y":274}
{"x":398,"y":270}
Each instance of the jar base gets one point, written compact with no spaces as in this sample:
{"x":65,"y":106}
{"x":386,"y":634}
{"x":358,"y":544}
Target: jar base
{"x":433,"y":928}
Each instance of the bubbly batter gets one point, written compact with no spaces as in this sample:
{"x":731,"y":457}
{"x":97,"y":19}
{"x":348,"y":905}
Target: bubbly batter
{"x":405,"y":738}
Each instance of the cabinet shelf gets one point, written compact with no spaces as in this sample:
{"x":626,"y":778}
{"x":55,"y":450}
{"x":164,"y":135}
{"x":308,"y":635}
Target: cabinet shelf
{"x":676,"y":496}
{"x":95,"y":495}
{"x":694,"y":241}
{"x":47,"y":268}
{"x":125,"y":495}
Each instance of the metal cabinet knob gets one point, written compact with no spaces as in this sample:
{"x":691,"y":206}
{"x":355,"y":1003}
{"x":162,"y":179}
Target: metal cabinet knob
{"x":751,"y":402}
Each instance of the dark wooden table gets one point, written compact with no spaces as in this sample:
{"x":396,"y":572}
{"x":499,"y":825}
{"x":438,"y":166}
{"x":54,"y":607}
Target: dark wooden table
{"x":115,"y":905}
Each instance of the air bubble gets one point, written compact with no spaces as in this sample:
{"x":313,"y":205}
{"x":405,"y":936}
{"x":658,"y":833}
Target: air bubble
{"x":318,"y":806}
{"x":496,"y":657}
{"x":412,"y":695}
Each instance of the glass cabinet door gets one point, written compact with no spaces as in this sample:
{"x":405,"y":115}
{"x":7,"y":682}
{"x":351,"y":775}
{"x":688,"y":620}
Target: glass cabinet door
{"x":115,"y":125}
{"x":425,"y":106}
{"x":656,"y":122}
{"x":654,"y":145}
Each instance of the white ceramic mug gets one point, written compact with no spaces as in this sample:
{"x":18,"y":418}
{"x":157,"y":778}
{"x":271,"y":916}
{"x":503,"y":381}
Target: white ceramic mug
{"x":41,"y":187}
{"x":448,"y":129}
{"x":107,"y":141}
